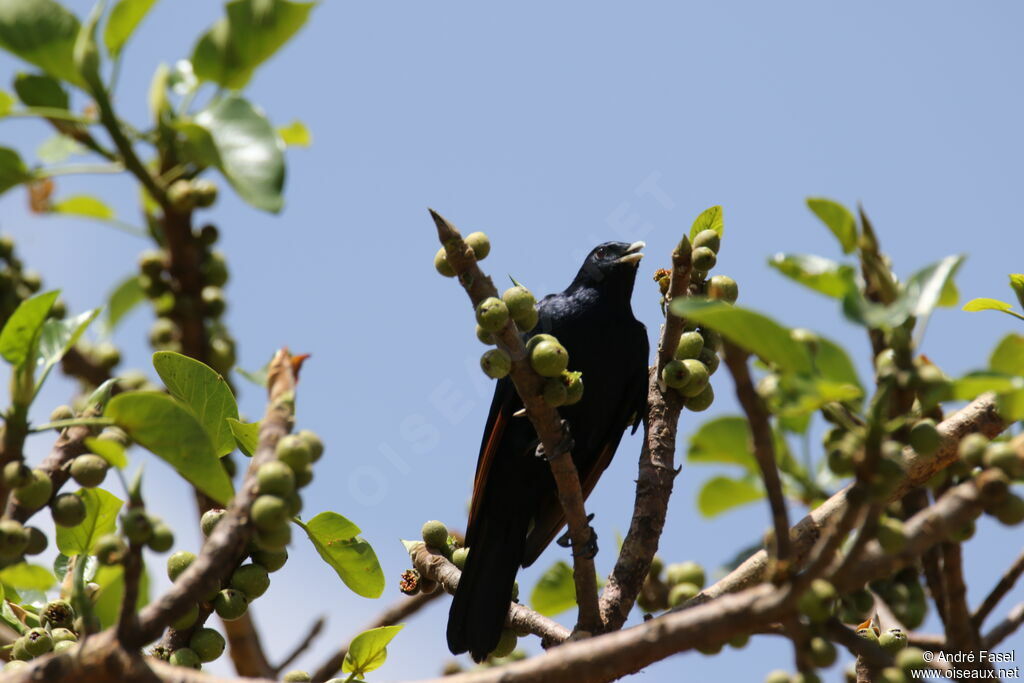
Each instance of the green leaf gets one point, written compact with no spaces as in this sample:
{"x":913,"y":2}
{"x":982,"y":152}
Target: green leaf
{"x":972,"y":385}
{"x":123,"y":20}
{"x":168,"y":429}
{"x":369,"y":650}
{"x":203,"y":390}
{"x":42,"y":32}
{"x":1017,"y":284}
{"x":249,"y":153}
{"x":719,"y":494}
{"x":555,"y":591}
{"x":932,"y":286}
{"x":295,"y":134}
{"x":28,"y":577}
{"x":251,"y":33}
{"x":40,"y":90}
{"x":752,"y":331}
{"x":1008,"y":357}
{"x":84,"y":205}
{"x":259,"y":377}
{"x":833,"y":363}
{"x":126,"y":296}
{"x":12,"y":169}
{"x":57,"y":148}
{"x":19,"y":335}
{"x":838,"y":219}
{"x":1011,"y":405}
{"x":336,"y":539}
{"x":109,"y":450}
{"x":108,"y":600}
{"x":56,"y":338}
{"x":7,"y":614}
{"x":709,"y":219}
{"x":101,"y":508}
{"x":247,"y":435}
{"x":7,"y":102}
{"x":723,"y":440}
{"x":984,"y":304}
{"x":101,"y":394}
{"x":820,"y":274}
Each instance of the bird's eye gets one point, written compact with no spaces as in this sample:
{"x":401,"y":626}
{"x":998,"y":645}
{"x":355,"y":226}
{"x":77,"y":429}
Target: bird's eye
{"x":600,"y":253}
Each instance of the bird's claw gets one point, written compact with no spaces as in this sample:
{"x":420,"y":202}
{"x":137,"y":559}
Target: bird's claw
{"x":565,"y":445}
{"x":589,"y":549}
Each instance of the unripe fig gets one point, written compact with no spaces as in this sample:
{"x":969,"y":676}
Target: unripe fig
{"x":777,"y":676}
{"x":207,"y":643}
{"x":186,"y":620}
{"x":441,"y":264}
{"x":269,"y":512}
{"x":1002,"y":455}
{"x":185,"y":657}
{"x":891,"y":535}
{"x":971,"y":449}
{"x":805,"y":677}
{"x":495,"y":363}
{"x":89,"y":470}
{"x":60,"y":413}
{"x":710,"y":359}
{"x":459,"y":557}
{"x":681,"y":592}
{"x":712,"y":339}
{"x":707,"y":238}
{"x":573,"y":387}
{"x":555,"y":393}
{"x":520,"y":302}
{"x":181,"y":196}
{"x":703,"y":259}
{"x":17,"y":474}
{"x":924,"y":437}
{"x":215,"y":269}
{"x":275,"y":478}
{"x":527,"y":321}
{"x":214,"y":303}
{"x":891,"y":674}
{"x":273,"y":539}
{"x":210,"y":518}
{"x":110,"y":549}
{"x":315,"y":443}
{"x":549,"y":359}
{"x":251,"y":579}
{"x":817,"y":601}
{"x":479,"y":243}
{"x":269,"y":559}
{"x":537,"y":339}
{"x":690,"y":345}
{"x":1010,"y":510}
{"x":37,"y":541}
{"x":67,"y":510}
{"x":698,"y":377}
{"x":62,"y":634}
{"x":19,"y":652}
{"x":685,"y":572}
{"x":162,"y":538}
{"x":701,"y":401}
{"x":209,"y":235}
{"x":135,"y":525}
{"x":675,"y":374}
{"x":893,"y":640}
{"x":435,"y":535}
{"x":297,"y":676}
{"x":36,"y":493}
{"x":293,"y":451}
{"x":178,"y":563}
{"x":484,"y":336}
{"x":506,"y":644}
{"x":723,"y":288}
{"x":822,"y":652}
{"x":910,"y":659}
{"x":38,"y":642}
{"x":57,"y":614}
{"x":151,"y":262}
{"x":492,"y":314}
{"x":230,"y":604}
{"x":13,"y":538}
{"x":868,"y":633}
{"x":204,"y":191}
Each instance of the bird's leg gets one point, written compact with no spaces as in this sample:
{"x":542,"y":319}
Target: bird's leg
{"x":589,"y":550}
{"x":564,"y":446}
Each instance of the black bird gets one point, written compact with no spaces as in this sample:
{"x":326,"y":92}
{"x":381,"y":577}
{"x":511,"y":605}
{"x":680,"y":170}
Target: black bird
{"x":515,"y":511}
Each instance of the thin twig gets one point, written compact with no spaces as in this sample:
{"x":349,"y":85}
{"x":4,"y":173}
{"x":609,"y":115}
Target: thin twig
{"x":999,"y":591}
{"x":1006,"y":627}
{"x":302,"y":645}
{"x":545,"y":420}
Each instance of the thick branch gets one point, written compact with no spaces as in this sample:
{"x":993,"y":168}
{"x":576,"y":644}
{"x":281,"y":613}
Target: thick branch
{"x":544,"y":418}
{"x":656,"y":469}
{"x":961,"y":633}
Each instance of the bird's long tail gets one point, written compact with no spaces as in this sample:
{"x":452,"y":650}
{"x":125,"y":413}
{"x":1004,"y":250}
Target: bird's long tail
{"x":481,"y":602}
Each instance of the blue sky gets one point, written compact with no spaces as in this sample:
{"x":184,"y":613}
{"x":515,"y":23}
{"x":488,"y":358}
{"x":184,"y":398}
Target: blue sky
{"x":554,"y":127}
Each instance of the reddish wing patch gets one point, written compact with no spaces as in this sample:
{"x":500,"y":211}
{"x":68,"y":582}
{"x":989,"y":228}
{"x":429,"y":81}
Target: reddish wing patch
{"x":483,"y":469}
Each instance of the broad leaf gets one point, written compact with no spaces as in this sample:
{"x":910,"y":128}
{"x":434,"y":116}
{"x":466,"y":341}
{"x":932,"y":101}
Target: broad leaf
{"x":85,"y":206}
{"x":723,"y":440}
{"x":932,"y":286}
{"x":972,"y":385}
{"x":985,"y":304}
{"x":1008,"y":357}
{"x":12,"y":169}
{"x":555,"y":591}
{"x":62,"y":562}
{"x":833,"y":363}
{"x":168,"y":429}
{"x":369,"y":650}
{"x":126,"y":296}
{"x":108,"y":600}
{"x":820,"y":274}
{"x":709,"y":219}
{"x":26,"y":576}
{"x":838,"y":219}
{"x":22,"y":329}
{"x":203,"y":390}
{"x":295,"y":134}
{"x":752,"y":331}
{"x":101,"y":508}
{"x":249,"y":152}
{"x":40,"y":90}
{"x":42,"y":32}
{"x":336,"y":539}
{"x":247,"y":435}
{"x":124,"y":18}
{"x":1017,"y":284}
{"x":1011,"y":405}
{"x":251,"y":33}
{"x":108,"y":449}
{"x":56,"y":339}
{"x":719,"y":494}
{"x":58,"y":148}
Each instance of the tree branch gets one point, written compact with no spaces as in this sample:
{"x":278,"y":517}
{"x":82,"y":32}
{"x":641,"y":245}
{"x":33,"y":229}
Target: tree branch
{"x":1006,"y":627}
{"x":302,"y":646}
{"x":656,"y":468}
{"x":1000,"y":590}
{"x":544,"y":418}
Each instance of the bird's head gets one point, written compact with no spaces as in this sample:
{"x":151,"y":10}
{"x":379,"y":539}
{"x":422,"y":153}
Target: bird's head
{"x":610,"y":267}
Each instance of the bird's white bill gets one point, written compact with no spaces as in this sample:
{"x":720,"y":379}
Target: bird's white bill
{"x":633,"y":254}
